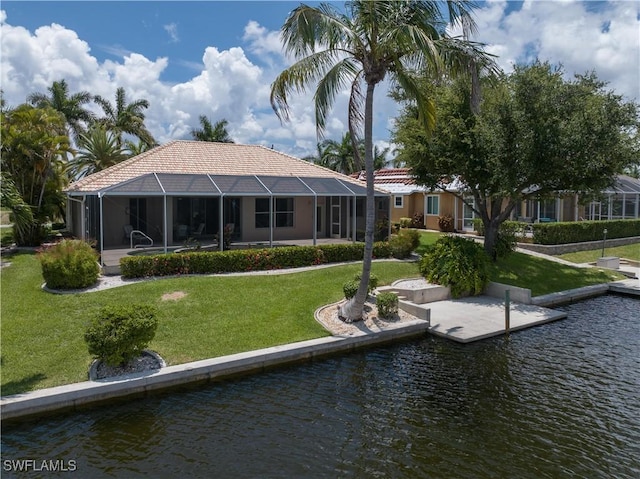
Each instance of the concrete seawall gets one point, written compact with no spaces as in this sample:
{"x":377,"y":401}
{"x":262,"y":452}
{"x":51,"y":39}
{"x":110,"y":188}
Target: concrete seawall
{"x":77,"y":395}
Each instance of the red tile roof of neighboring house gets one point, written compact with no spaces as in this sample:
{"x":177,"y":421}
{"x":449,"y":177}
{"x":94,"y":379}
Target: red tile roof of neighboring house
{"x":201,"y":157}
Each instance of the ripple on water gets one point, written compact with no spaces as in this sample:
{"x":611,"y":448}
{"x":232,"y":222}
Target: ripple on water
{"x":554,"y":401}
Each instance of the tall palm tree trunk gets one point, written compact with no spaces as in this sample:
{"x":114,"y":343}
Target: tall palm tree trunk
{"x":353,"y":309}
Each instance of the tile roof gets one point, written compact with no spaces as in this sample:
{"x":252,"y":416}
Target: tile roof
{"x":201,"y":157}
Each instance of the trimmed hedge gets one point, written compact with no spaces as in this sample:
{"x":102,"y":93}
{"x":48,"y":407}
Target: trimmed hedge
{"x":580,"y":231}
{"x":212,"y":262}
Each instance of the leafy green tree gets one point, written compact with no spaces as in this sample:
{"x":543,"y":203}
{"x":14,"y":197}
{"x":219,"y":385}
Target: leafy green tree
{"x":125,"y":118}
{"x":358,"y":48}
{"x":72,"y":107}
{"x":97,"y":149}
{"x":216,"y":133}
{"x":34,"y":147}
{"x":535,"y":135}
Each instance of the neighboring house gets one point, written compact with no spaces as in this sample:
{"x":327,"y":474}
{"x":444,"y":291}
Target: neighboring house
{"x":620,"y":202}
{"x":408,"y":199}
{"x":194,"y":189}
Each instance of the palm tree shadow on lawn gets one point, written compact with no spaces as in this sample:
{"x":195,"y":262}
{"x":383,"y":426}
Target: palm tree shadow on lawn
{"x":23,"y":385}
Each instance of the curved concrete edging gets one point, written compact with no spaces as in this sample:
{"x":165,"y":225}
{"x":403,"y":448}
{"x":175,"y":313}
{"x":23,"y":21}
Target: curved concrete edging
{"x":73,"y":396}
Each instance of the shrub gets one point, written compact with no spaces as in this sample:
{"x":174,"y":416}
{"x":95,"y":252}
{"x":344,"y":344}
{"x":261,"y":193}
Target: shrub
{"x":417,"y":221}
{"x":456,"y":262}
{"x":446,"y":223}
{"x":579,"y":231}
{"x":120,"y":333}
{"x":373,"y":281}
{"x":350,"y":288}
{"x":507,"y":240}
{"x":212,"y":262}
{"x":405,"y":222}
{"x":387,"y":303}
{"x":403,"y":243}
{"x":69,"y":264}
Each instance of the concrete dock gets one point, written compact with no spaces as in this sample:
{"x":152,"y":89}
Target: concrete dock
{"x":479,"y":317}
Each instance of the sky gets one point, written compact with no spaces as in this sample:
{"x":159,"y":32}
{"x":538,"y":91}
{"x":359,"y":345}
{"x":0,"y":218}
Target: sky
{"x":219,"y":59}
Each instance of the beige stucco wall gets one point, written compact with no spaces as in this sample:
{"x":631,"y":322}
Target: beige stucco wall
{"x":412,"y":204}
{"x":302,"y":222}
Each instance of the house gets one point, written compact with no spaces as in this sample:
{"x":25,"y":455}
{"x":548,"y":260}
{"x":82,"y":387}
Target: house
{"x":622,"y":201}
{"x":193,"y":189}
{"x":409,"y":198}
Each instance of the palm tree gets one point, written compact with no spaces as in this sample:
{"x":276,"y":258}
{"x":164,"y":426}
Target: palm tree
{"x":134,"y":149}
{"x":34,"y":146}
{"x":125,"y":118}
{"x":338,"y":156}
{"x":98,"y":149}
{"x":216,"y":133}
{"x":70,"y":106}
{"x":359,"y":49}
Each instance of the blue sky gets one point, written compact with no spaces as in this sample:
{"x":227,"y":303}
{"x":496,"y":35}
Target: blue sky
{"x":219,"y":58}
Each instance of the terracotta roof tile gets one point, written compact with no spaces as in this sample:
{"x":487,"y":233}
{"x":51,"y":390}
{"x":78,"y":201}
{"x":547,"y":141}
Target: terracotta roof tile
{"x":200,"y":157}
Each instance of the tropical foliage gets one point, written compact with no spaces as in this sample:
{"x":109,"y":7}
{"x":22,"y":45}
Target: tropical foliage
{"x":212,"y":132}
{"x":76,"y":116}
{"x":53,"y":139}
{"x":342,"y":157}
{"x":34,"y":149}
{"x":125,"y":118}
{"x":98,"y":149}
{"x":534,"y":134}
{"x":457,"y":262}
{"x":358,"y":49}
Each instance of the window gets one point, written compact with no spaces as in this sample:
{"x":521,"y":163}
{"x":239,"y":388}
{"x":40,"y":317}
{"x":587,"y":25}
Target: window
{"x":398,"y":201}
{"x":433,"y":205}
{"x":262,"y":212}
{"x":283,"y":212}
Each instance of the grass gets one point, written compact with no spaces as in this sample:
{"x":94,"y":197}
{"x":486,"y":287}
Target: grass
{"x":543,"y":277}
{"x":42,"y":334}
{"x":631,"y":251}
{"x":427,"y":238}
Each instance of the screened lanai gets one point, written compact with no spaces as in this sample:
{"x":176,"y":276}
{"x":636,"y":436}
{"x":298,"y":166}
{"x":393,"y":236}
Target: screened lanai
{"x":184,"y":191}
{"x":169,"y":208}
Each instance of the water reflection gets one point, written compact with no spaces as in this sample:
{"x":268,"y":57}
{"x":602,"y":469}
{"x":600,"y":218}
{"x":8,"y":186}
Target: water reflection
{"x":554,"y":401}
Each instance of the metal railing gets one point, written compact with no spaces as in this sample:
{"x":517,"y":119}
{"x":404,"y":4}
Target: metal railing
{"x":142,"y":236}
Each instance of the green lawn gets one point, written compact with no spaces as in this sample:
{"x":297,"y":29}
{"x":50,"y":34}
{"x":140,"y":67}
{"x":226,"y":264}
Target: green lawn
{"x":543,"y":277}
{"x":427,"y":238}
{"x":42,"y":333}
{"x":631,"y":251}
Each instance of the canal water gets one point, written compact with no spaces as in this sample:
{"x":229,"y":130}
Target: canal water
{"x":560,"y":400}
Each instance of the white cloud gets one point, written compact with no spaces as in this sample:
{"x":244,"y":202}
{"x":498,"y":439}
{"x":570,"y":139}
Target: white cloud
{"x":234,"y":83}
{"x":262,"y":41}
{"x":172,"y":30}
{"x":604,"y":37}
